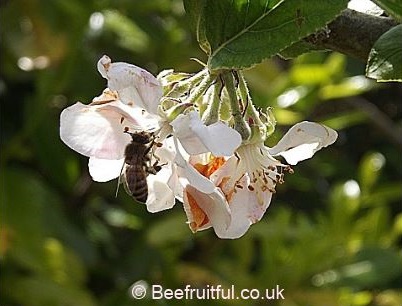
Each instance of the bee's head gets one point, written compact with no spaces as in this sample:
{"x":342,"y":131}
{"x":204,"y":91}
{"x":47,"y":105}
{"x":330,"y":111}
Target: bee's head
{"x":141,"y":137}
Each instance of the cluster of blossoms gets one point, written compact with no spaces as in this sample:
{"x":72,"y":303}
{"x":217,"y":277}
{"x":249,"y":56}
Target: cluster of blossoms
{"x":211,"y":152}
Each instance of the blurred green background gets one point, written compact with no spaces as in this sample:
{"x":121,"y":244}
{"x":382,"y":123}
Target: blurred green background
{"x":332,"y":235}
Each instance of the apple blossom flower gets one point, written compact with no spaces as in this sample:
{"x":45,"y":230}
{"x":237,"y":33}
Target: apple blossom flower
{"x":131,"y":102}
{"x":244,"y":183}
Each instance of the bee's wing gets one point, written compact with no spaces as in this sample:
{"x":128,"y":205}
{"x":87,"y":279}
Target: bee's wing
{"x":121,"y":178}
{"x":125,"y":184}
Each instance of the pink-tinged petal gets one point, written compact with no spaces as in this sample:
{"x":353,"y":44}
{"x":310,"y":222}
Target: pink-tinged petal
{"x":93,"y":131}
{"x":135,"y":116}
{"x":197,"y":138}
{"x":246,"y":206}
{"x":245,"y":210}
{"x":303,"y":140}
{"x":135,"y":86}
{"x":104,"y":170}
{"x":214,"y":207}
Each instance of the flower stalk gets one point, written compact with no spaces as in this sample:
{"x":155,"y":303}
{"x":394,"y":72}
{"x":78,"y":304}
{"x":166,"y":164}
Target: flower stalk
{"x":200,"y":89}
{"x":258,"y":129}
{"x":211,"y":114}
{"x":240,"y":125}
{"x":178,"y":83}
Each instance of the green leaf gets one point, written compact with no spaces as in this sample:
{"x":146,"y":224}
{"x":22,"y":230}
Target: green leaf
{"x":392,"y":7}
{"x":243,"y":33}
{"x":194,"y":11}
{"x":298,"y":48}
{"x":385,"y":58}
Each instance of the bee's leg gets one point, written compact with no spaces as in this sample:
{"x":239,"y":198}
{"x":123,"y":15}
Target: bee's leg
{"x":152,"y":144}
{"x":155,"y":168}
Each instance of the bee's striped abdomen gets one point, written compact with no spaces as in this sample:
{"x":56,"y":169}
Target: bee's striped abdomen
{"x":136,"y":180}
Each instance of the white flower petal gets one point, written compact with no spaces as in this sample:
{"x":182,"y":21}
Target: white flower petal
{"x":136,"y":117}
{"x":160,"y":194}
{"x":219,"y":139}
{"x":163,"y":186}
{"x":103,"y":170}
{"x":240,"y":223}
{"x":167,"y":152}
{"x":188,"y":175}
{"x":183,"y":131}
{"x":299,"y":153}
{"x":135,"y":85}
{"x":91,"y":131}
{"x":197,"y":219}
{"x":303,"y":140}
{"x":197,"y":138}
{"x":229,"y":170}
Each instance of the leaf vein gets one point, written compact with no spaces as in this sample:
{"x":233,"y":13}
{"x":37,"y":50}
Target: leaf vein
{"x":263,"y":15}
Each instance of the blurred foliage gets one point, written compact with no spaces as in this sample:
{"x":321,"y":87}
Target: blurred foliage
{"x":331,"y":237}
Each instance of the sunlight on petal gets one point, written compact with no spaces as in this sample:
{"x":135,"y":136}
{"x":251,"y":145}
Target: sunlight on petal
{"x":302,"y":152}
{"x":304,"y":138}
{"x":92,"y":132}
{"x":197,"y":138}
{"x":103,"y":170}
{"x":160,"y":195}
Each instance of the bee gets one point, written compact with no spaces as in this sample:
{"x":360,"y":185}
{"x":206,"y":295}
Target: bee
{"x":137,"y":164}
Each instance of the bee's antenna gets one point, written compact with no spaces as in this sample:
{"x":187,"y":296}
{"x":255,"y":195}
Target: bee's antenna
{"x":127,"y":130}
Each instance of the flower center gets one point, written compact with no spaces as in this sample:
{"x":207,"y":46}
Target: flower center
{"x":263,"y":170}
{"x":214,"y":164}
